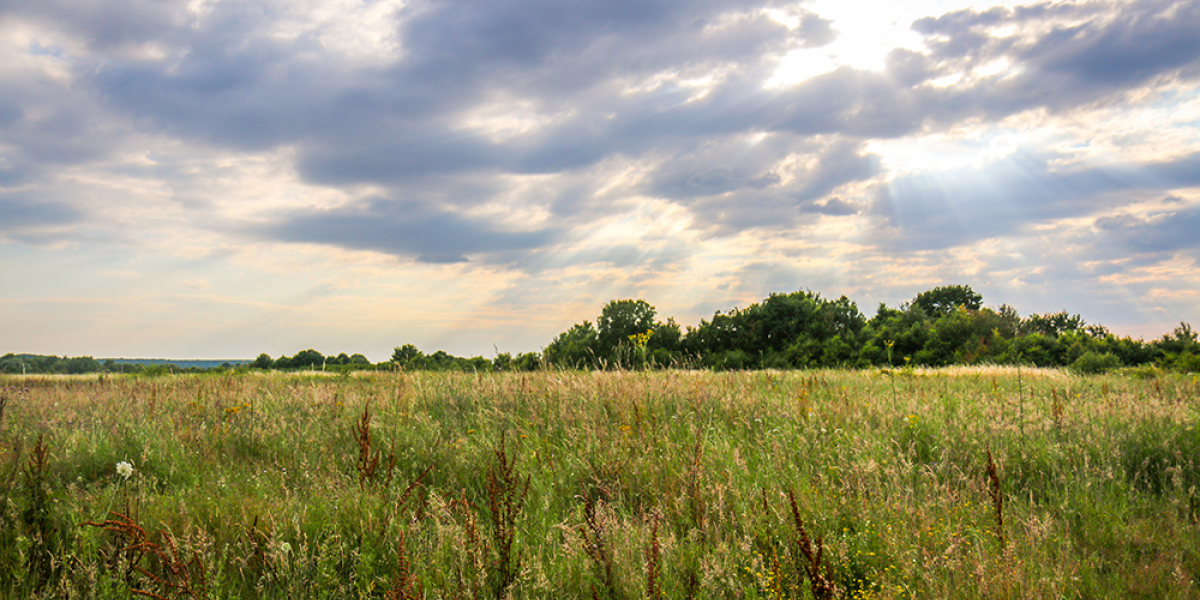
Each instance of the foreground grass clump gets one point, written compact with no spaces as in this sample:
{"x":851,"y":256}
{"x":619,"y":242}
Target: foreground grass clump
{"x":620,"y":485}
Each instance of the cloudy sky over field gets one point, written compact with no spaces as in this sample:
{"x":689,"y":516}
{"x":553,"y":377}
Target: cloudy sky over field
{"x":213,"y":178}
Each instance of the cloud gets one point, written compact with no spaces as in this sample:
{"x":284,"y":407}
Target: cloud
{"x":1060,"y":55}
{"x":942,"y":210}
{"x":19,"y":211}
{"x":816,"y":31}
{"x":33,"y":220}
{"x":762,"y":181}
{"x":400,"y":228}
{"x":1161,"y":232}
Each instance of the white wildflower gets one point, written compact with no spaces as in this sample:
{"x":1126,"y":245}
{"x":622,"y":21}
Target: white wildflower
{"x":124,"y":469}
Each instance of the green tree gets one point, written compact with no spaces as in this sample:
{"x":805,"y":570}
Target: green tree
{"x":895,"y":335}
{"x":1180,"y":341}
{"x":83,"y":364}
{"x":262,"y":362}
{"x":944,"y":299}
{"x":575,"y":347}
{"x":1053,"y":324}
{"x":308,"y":359}
{"x":407,"y":356}
{"x":502,"y":362}
{"x":527,"y":361}
{"x":619,"y":321}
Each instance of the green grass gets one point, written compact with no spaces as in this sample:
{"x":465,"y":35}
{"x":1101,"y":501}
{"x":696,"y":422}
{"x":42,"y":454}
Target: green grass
{"x":249,"y":486}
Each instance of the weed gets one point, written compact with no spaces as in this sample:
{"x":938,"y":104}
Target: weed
{"x":653,"y":561}
{"x":506,"y":497}
{"x":369,"y":459}
{"x":694,"y":491}
{"x":169,"y":572}
{"x":1057,"y":410}
{"x":405,"y":585}
{"x":811,"y":557}
{"x":597,"y":548}
{"x":465,"y":573}
{"x":37,"y":517}
{"x":997,"y":496}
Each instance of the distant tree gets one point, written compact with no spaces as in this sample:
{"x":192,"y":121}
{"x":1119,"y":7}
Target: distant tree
{"x":894,"y":336}
{"x":1009,"y":321}
{"x":83,"y":364}
{"x":502,"y":362}
{"x":358,"y":359}
{"x":619,"y":321}
{"x":407,"y":356}
{"x":476,"y":364}
{"x":665,"y":345}
{"x":942,"y":300}
{"x":13,"y":363}
{"x":440,"y":361}
{"x":528,"y":361}
{"x":1181,"y":340}
{"x":308,"y":359}
{"x":1053,"y":324}
{"x":575,"y":347}
{"x":724,"y":333}
{"x":262,"y":362}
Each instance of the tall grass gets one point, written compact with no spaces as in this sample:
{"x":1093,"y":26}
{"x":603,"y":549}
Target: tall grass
{"x":827,"y":484}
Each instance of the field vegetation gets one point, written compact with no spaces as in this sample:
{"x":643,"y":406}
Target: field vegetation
{"x":986,"y":482}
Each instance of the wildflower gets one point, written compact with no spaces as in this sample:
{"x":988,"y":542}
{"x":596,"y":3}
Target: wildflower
{"x":124,"y":469}
{"x":285,"y":548}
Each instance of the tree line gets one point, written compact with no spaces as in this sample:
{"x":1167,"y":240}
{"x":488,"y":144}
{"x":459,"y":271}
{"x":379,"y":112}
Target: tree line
{"x":947,"y":325}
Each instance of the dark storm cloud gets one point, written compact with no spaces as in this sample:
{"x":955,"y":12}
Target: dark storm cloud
{"x":944,"y":210}
{"x":402,"y":229}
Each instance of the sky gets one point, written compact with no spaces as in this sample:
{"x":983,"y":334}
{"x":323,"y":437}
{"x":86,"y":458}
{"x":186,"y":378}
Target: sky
{"x":217,"y":179}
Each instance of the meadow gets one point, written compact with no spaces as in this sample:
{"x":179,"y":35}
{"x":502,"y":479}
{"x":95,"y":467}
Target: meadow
{"x":952,"y":483}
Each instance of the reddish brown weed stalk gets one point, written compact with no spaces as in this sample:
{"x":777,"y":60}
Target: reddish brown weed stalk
{"x":179,"y":577}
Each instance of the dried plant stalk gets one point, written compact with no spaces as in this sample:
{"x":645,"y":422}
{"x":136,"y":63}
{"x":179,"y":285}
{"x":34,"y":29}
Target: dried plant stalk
{"x":997,"y":497}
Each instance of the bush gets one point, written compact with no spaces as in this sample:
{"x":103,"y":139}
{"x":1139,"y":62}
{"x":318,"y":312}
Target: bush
{"x":1091,"y":362}
{"x":1184,"y":363}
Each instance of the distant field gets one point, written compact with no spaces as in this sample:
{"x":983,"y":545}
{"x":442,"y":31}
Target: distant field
{"x":958,"y":483}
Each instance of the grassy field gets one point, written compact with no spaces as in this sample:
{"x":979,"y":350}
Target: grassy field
{"x":971,"y":483}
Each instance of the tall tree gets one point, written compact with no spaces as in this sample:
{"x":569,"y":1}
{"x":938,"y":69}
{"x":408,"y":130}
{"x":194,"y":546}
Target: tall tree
{"x":620,"y":320}
{"x":944,"y":299}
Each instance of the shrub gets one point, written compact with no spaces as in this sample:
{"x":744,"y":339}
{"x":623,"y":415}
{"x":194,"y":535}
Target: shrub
{"x":1091,"y":362}
{"x":1185,"y":363}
